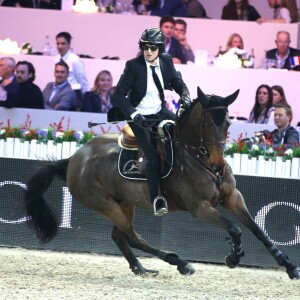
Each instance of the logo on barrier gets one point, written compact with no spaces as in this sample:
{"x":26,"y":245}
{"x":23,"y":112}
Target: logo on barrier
{"x":66,"y":211}
{"x":66,"y":214}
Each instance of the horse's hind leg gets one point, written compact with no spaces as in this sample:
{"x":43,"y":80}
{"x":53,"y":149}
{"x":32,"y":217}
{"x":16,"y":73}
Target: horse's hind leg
{"x":130,"y":238}
{"x":236,"y":204}
{"x":121,"y":241}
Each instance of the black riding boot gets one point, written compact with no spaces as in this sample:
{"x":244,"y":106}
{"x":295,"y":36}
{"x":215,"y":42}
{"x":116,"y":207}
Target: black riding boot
{"x":160,"y":205}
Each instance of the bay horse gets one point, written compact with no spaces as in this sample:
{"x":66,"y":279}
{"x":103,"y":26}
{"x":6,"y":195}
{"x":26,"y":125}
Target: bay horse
{"x":200,"y":180}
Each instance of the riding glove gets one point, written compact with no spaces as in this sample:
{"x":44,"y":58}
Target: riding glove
{"x":185,"y":102}
{"x":140,"y":121}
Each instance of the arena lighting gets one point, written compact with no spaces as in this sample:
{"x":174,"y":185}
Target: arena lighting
{"x":85,"y":7}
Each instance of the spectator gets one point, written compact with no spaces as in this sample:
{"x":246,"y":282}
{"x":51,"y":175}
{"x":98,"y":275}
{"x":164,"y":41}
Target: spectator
{"x":194,"y":9}
{"x":278,"y":95}
{"x":161,"y":8}
{"x":59,"y":95}
{"x":239,"y":10}
{"x":48,"y":4}
{"x":8,"y":84}
{"x":263,"y":110}
{"x":235,"y":41}
{"x":99,"y":98}
{"x":172,"y":46}
{"x":77,"y":74}
{"x":285,"y":133}
{"x":285,"y":11}
{"x":18,"y":3}
{"x":29,"y":95}
{"x":180,"y":36}
{"x":283,"y":52}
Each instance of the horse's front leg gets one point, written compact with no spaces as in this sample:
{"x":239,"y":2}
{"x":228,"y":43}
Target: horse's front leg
{"x":236,"y":204}
{"x":209,"y":214}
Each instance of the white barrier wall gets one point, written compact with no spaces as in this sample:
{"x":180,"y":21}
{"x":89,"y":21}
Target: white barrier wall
{"x":99,"y":34}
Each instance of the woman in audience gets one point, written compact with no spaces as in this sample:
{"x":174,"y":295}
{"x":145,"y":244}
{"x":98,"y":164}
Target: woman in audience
{"x":285,"y":11}
{"x":99,"y":98}
{"x":263,"y":110}
{"x":278,"y":95}
{"x":239,"y":10}
{"x":235,"y":41}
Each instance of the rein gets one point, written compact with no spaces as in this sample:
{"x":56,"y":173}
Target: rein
{"x":197,"y":153}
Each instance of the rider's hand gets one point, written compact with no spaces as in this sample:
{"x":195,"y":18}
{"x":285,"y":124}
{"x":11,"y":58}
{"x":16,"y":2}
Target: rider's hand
{"x":185,"y":102}
{"x":140,"y":121}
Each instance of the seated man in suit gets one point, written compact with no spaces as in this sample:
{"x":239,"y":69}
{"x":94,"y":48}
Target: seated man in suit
{"x":180,"y":35}
{"x":283,"y":52}
{"x":174,"y":8}
{"x":172,"y":46}
{"x":29,"y":95}
{"x":59,"y":95}
{"x":285,"y":133}
{"x":140,"y":96}
{"x":8,"y":84}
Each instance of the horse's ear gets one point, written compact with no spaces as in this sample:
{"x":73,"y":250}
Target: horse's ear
{"x":201,"y":97}
{"x":231,"y":98}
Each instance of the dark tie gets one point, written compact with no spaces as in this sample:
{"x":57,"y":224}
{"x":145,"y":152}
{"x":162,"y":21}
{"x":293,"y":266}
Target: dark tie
{"x":158,"y":84}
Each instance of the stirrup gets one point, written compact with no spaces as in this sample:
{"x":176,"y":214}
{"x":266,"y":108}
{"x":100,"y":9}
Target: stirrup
{"x":163,"y":210}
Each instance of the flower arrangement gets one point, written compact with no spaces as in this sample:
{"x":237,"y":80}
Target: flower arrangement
{"x":26,"y":48}
{"x":55,"y":132}
{"x":261,"y":145}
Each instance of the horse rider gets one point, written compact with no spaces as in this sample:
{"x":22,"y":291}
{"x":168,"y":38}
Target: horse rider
{"x":139,"y":95}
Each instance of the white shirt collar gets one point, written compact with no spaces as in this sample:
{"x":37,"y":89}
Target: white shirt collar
{"x":149,"y":64}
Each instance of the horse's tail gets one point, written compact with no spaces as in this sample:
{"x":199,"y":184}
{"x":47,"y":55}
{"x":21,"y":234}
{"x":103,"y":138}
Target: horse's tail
{"x":39,"y":214}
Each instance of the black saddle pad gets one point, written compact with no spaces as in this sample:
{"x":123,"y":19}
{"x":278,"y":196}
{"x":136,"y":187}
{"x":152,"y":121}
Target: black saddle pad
{"x":127,"y":163}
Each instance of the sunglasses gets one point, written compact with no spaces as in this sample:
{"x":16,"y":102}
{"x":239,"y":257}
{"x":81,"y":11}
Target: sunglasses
{"x":147,"y":47}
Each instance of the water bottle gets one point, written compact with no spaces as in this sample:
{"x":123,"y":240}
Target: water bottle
{"x":220,"y":52}
{"x":47,"y":47}
{"x":252,"y":59}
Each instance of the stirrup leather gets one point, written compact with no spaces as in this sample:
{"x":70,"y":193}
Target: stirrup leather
{"x":163,"y":210}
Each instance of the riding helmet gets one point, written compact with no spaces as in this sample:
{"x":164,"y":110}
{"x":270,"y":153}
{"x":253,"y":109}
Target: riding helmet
{"x":153,"y":36}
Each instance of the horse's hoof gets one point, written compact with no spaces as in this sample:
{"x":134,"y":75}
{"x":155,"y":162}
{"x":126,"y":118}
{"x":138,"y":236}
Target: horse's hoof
{"x":187,"y":269}
{"x":230,"y":263}
{"x":294,"y":273}
{"x":138,"y":270}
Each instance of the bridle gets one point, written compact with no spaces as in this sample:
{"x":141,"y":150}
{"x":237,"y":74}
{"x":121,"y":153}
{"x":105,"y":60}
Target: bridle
{"x":202,"y":148}
{"x":198,"y":152}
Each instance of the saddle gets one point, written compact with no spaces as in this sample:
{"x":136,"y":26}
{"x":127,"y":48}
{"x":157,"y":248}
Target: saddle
{"x":132,"y":161}
{"x":127,"y":139}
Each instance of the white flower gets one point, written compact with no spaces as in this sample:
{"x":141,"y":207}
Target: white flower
{"x":254,"y":147}
{"x":289,"y":152}
{"x":80,"y":134}
{"x":228,"y":146}
{"x":2,"y":131}
{"x":270,"y":151}
{"x":59,"y":134}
